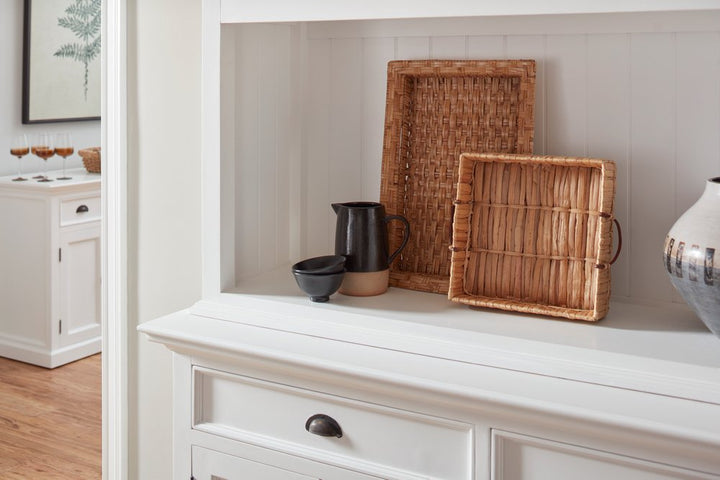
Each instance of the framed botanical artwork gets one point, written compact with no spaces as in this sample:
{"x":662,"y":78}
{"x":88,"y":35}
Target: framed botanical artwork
{"x":61,"y":61}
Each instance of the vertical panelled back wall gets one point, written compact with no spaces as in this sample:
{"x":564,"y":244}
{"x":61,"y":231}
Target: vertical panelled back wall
{"x":642,"y":90}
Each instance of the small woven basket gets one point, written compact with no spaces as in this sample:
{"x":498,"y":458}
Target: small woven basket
{"x":533,"y":234}
{"x":91,"y":159}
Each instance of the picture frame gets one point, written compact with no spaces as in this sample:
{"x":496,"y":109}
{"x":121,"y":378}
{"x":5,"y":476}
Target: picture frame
{"x":61,"y":61}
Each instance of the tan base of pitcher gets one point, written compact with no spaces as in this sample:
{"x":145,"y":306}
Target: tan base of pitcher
{"x":365,"y":284}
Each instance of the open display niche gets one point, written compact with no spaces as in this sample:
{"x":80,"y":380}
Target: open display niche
{"x":294,"y":113}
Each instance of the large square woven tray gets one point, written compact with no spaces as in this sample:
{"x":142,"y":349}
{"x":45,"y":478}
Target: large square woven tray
{"x":534,"y":234}
{"x":436,"y":110}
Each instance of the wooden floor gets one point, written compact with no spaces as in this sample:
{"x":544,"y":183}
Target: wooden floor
{"x":50,"y":421}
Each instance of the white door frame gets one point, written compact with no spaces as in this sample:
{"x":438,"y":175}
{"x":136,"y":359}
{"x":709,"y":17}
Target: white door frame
{"x":114,"y":238}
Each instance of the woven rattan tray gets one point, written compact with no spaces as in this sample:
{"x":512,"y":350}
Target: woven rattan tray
{"x":435,"y":110}
{"x":534,"y":234}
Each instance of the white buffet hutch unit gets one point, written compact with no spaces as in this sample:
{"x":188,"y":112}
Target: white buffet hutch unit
{"x":419,"y":387}
{"x":50,"y":264}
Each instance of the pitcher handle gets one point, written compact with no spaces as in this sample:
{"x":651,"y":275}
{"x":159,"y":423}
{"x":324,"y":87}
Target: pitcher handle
{"x":405,"y":239}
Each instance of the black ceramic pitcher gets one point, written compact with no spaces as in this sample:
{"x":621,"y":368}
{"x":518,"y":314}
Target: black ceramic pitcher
{"x":361,"y":235}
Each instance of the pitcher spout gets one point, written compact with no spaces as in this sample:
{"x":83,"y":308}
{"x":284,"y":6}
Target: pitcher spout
{"x":336,"y":206}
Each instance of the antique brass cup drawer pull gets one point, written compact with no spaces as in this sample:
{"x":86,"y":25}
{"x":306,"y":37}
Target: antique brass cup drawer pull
{"x":323,"y":425}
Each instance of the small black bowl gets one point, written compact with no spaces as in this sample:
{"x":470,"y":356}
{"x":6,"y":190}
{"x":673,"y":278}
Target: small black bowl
{"x":319,"y":287}
{"x":320,"y":265}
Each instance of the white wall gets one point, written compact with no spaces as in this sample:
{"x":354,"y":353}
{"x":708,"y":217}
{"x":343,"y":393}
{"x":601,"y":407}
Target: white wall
{"x":163,"y":209}
{"x":85,"y":134}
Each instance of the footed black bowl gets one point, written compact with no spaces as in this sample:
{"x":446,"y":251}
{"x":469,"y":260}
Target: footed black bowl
{"x":320,"y":265}
{"x":319,"y":287}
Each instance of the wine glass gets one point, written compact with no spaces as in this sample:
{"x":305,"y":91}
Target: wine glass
{"x":43,"y":148}
{"x":64,"y":148}
{"x":19,"y":148}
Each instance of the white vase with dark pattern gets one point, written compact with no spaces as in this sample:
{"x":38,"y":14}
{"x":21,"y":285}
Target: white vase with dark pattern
{"x":692,"y":256}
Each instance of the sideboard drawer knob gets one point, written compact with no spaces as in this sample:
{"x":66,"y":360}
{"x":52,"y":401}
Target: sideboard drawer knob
{"x":324,"y":426}
{"x":82,"y":209}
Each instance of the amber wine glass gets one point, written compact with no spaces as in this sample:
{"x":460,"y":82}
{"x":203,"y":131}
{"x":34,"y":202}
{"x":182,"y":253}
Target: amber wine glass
{"x":43,"y":148}
{"x":19,"y":148}
{"x":64,"y":148}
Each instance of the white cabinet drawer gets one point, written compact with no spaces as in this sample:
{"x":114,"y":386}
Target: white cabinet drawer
{"x":79,"y":210}
{"x":211,"y":465}
{"x":375,"y":440}
{"x":523,"y":457}
{"x":216,"y":464}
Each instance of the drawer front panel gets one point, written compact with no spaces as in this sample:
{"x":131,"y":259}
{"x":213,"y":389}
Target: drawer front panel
{"x":80,"y":210}
{"x":211,"y":465}
{"x":376,"y":440}
{"x":523,"y":457}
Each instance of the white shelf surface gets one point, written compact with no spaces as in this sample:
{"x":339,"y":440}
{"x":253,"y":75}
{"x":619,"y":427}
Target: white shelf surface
{"x":663,"y":349}
{"x":80,"y":176}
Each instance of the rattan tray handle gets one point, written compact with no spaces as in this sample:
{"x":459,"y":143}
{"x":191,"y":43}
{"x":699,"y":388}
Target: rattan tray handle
{"x":619,"y":246}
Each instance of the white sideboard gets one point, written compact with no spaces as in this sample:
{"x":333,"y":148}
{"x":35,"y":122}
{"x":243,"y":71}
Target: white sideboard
{"x":425,"y":395}
{"x":418,"y":387}
{"x":50,"y":262}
